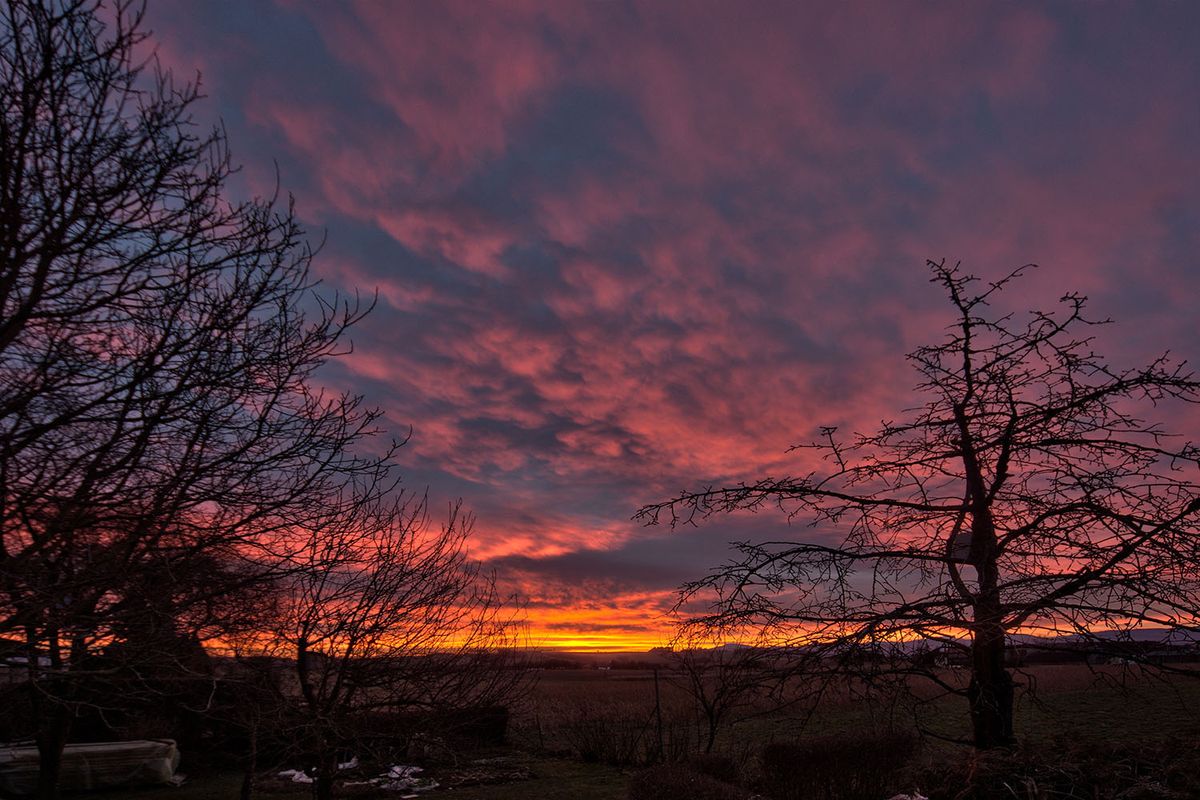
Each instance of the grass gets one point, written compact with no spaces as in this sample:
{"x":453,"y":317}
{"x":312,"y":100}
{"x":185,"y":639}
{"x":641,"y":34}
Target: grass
{"x":553,"y":779}
{"x":207,"y":787}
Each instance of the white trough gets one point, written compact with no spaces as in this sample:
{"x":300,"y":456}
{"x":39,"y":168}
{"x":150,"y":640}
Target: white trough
{"x":98,"y":765}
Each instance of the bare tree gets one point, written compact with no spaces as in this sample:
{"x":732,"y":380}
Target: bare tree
{"x":730,"y":680}
{"x":1027,"y":495}
{"x":385,"y":618}
{"x":157,"y":347}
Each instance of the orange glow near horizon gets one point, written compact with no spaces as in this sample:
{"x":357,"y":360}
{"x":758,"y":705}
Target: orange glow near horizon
{"x":630,"y":622}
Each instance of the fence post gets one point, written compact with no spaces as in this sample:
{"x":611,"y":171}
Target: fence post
{"x":658,"y":716}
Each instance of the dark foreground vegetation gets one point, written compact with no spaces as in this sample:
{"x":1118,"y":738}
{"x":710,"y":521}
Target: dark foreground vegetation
{"x":584,"y":734}
{"x":1082,"y":732}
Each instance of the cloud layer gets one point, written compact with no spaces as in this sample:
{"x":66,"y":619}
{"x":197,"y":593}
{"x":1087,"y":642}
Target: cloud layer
{"x":626,"y":248}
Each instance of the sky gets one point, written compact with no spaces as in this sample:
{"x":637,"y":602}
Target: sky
{"x":627,"y":248}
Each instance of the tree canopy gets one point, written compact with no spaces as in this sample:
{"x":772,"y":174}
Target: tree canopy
{"x":1028,"y":494}
{"x":168,"y":458}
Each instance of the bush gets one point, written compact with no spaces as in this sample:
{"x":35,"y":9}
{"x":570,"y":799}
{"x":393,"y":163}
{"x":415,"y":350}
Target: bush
{"x":607,"y":736}
{"x":1067,"y":770}
{"x":860,"y":767}
{"x":622,"y":735}
{"x":714,"y":765}
{"x":478,"y":726}
{"x":679,"y":782}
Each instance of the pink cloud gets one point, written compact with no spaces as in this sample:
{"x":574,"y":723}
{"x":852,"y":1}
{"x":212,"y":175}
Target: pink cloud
{"x":623,"y":249}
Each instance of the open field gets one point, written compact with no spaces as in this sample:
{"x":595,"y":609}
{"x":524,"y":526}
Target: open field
{"x":1073,"y":700}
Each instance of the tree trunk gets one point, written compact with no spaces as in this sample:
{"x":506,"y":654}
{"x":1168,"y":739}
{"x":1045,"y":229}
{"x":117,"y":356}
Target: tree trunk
{"x":991,"y":690}
{"x":326,"y":772}
{"x":251,"y":764}
{"x":323,"y":786}
{"x":712,"y":734}
{"x":51,"y":738}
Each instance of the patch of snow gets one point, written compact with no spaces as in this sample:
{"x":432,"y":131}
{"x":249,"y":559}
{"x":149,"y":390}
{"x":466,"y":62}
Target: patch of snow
{"x":403,"y":778}
{"x":296,"y":776}
{"x":398,"y":778}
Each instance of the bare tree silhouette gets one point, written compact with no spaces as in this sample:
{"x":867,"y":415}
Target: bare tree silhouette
{"x":384,"y":620}
{"x":1027,"y":494}
{"x":157,"y":347}
{"x":729,"y":680}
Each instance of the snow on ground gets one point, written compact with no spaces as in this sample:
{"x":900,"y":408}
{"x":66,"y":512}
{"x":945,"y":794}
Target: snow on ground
{"x":398,"y":778}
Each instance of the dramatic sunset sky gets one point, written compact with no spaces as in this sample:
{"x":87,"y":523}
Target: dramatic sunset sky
{"x":624,"y":248}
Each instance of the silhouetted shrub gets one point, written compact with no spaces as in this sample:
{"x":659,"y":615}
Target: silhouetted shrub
{"x":715,"y":765}
{"x":859,"y":767}
{"x":679,"y":782}
{"x":484,"y":725}
{"x":623,"y":735}
{"x":610,"y":738}
{"x":397,"y":732}
{"x":1066,"y":770}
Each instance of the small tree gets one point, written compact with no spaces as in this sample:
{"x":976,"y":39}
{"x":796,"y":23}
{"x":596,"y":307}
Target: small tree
{"x":383,"y":620}
{"x":1028,"y":494}
{"x":729,"y":680}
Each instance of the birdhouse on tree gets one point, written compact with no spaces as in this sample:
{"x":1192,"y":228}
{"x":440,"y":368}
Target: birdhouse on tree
{"x":959,"y":546}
